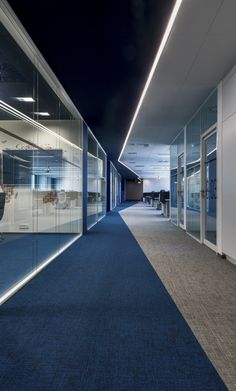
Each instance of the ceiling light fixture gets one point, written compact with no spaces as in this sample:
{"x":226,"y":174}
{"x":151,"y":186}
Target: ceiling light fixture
{"x":42,"y":113}
{"x":25,"y":99}
{"x":150,"y":76}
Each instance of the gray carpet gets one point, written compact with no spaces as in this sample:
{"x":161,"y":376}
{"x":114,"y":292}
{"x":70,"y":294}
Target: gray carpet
{"x":202,"y":284}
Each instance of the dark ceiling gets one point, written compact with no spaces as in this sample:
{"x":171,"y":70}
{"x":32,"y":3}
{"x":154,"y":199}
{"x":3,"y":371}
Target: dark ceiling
{"x":102,"y":53}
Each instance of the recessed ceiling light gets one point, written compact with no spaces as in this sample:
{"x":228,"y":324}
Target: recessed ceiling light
{"x":42,"y":113}
{"x":25,"y":99}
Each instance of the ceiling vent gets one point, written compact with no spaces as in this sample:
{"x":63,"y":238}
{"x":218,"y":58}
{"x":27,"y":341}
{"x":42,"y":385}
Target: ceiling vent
{"x":132,"y":153}
{"x":144,"y":145}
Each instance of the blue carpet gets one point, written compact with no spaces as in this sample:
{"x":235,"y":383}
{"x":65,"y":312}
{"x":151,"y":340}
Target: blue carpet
{"x":99,"y":319}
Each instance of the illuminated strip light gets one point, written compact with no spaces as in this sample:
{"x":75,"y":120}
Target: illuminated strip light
{"x":150,"y":76}
{"x":29,"y":120}
{"x":29,"y":277}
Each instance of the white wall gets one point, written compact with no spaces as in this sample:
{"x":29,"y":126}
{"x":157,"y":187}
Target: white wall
{"x":229,"y":164}
{"x":154,"y":184}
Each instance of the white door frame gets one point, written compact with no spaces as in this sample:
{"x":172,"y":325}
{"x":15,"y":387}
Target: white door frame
{"x":205,"y":136}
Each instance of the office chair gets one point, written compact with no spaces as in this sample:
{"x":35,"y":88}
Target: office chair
{"x":2,"y":207}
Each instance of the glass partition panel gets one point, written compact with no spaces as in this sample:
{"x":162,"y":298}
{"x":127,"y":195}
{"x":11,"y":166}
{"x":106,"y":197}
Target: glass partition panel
{"x":17,"y":242}
{"x":180,"y":143}
{"x":173,"y":182}
{"x":92,"y":212}
{"x":101,"y":183}
{"x":173,"y":186}
{"x":17,"y":77}
{"x":181,"y":203}
{"x":40,"y":168}
{"x":210,"y":187}
{"x":96,"y":198}
{"x":193,"y":176}
{"x":118,"y":200}
{"x":115,"y":187}
{"x":209,"y":112}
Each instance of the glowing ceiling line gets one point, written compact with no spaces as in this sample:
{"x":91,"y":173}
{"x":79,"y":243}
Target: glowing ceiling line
{"x":150,"y":76}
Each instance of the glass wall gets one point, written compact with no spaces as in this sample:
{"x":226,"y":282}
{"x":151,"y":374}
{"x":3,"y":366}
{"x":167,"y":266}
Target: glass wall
{"x":204,"y":119}
{"x":96,"y":198}
{"x":118,"y":196}
{"x":40,"y":168}
{"x":102,"y":165}
{"x":173,"y":180}
{"x":193,"y":176}
{"x":115,"y":187}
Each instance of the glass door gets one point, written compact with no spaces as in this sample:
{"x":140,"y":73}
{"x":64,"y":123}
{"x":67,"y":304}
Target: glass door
{"x":209,"y":188}
{"x":181,"y":191}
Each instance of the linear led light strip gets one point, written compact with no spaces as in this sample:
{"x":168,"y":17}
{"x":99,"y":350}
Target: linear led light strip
{"x":150,"y":76}
{"x":29,"y":277}
{"x":20,"y":115}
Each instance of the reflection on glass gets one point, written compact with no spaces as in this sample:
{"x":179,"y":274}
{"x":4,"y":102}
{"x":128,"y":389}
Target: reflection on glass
{"x":181,"y":189}
{"x":193,"y":200}
{"x":176,"y":148}
{"x":115,"y":187}
{"x":210,"y":187}
{"x":92,"y":208}
{"x":96,"y":197}
{"x":101,"y":183}
{"x":40,"y":168}
{"x":209,"y":112}
{"x":205,"y":118}
{"x":173,"y":186}
{"x":180,"y":143}
{"x":193,"y":176}
{"x":118,"y":195}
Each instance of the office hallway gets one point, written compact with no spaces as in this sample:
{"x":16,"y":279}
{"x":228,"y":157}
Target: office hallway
{"x":99,"y":319}
{"x":201,"y":284}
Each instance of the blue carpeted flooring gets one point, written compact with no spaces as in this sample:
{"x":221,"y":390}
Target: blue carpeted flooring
{"x":99,"y":319}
